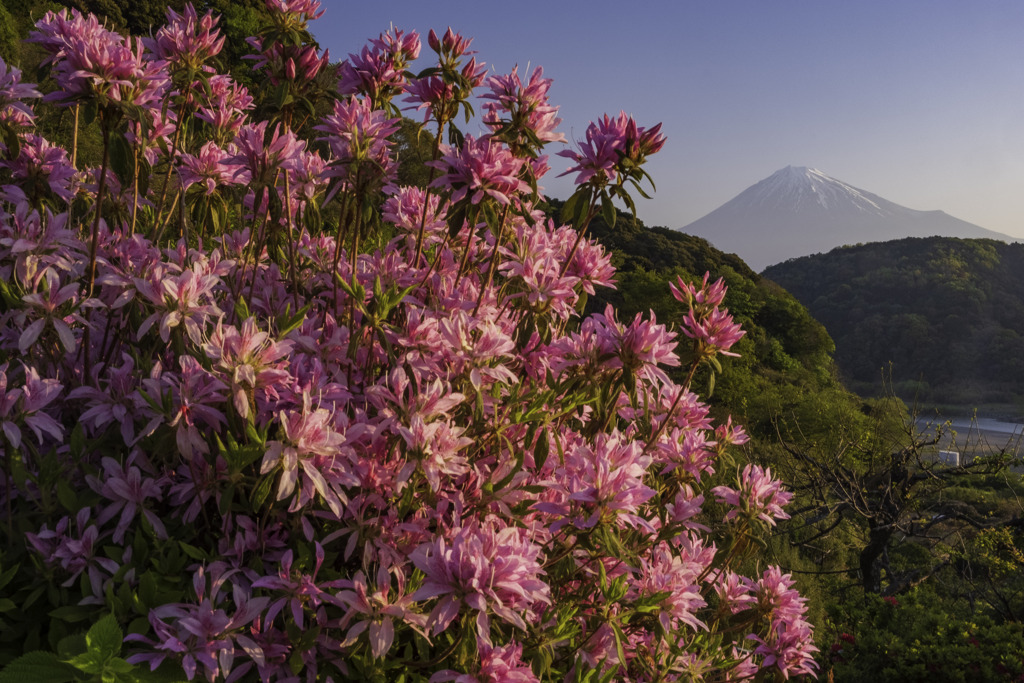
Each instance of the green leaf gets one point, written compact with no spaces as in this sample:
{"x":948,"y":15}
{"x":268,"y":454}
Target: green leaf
{"x":105,"y":637}
{"x":574,"y":210}
{"x":71,"y":613}
{"x":608,"y":210}
{"x":121,"y":159}
{"x":71,"y":645}
{"x":260,"y":493}
{"x":89,"y":112}
{"x":6,"y":576}
{"x":6,"y":604}
{"x":541,"y":450}
{"x":192,"y":551}
{"x":13,"y":142}
{"x":37,"y":667}
{"x":66,"y":495}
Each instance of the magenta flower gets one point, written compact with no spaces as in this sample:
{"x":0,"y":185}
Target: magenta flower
{"x":76,"y":550}
{"x":714,"y":332}
{"x":226,"y":107}
{"x":51,"y":311}
{"x":376,"y":610}
{"x":248,"y":359}
{"x":481,"y":168}
{"x":194,"y":397}
{"x":358,"y":137}
{"x":789,"y":644}
{"x":497,"y":665}
{"x":259,"y":161}
{"x":520,"y":114}
{"x":128,"y":489}
{"x":676,"y":575}
{"x":757,"y":496}
{"x":378,"y":71}
{"x":300,"y":591}
{"x":404,"y":209}
{"x":23,"y":406}
{"x":610,"y":142}
{"x":41,"y":165}
{"x":451,"y":46}
{"x":12,"y":91}
{"x":305,"y":10}
{"x":208,"y":168}
{"x":703,"y":298}
{"x":113,"y":403}
{"x":310,"y":458}
{"x":599,"y":483}
{"x":489,"y":569}
{"x":186,"y":41}
{"x":441,"y":95}
{"x":207,"y":633}
{"x":180,"y":301}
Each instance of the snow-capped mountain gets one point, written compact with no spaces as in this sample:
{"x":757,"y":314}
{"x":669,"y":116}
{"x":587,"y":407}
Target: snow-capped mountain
{"x":799,"y":211}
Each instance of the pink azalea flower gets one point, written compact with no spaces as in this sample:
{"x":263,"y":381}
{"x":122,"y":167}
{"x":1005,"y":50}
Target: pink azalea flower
{"x":113,"y":403}
{"x":378,"y":71}
{"x":128,"y":490}
{"x":758,"y":496}
{"x":183,"y":300}
{"x":715,"y":332}
{"x":207,"y":633}
{"x":208,"y":167}
{"x":12,"y":92}
{"x":676,"y":573}
{"x":497,"y":665}
{"x":248,"y":359}
{"x":481,"y":168}
{"x":358,"y":137}
{"x":186,"y":40}
{"x":47,"y":306}
{"x":23,"y":406}
{"x":608,"y":142}
{"x":226,"y":107}
{"x":375,"y":610}
{"x":75,"y":550}
{"x":490,"y":568}
{"x":310,"y":458}
{"x":524,"y":110}
{"x":305,"y":10}
{"x":598,"y":483}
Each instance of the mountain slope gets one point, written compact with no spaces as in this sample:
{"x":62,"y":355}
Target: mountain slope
{"x":799,"y":211}
{"x":947,"y":313}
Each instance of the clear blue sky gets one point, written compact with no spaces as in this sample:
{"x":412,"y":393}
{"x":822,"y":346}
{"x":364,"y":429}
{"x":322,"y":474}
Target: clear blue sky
{"x":920,"y":101}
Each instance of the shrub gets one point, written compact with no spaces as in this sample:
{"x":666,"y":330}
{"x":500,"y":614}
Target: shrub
{"x":261,"y":445}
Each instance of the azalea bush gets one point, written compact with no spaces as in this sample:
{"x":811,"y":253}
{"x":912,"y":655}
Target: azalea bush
{"x":267,"y":415}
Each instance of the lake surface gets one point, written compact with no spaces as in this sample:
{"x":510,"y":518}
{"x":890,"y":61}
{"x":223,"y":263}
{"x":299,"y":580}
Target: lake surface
{"x":976,"y":433}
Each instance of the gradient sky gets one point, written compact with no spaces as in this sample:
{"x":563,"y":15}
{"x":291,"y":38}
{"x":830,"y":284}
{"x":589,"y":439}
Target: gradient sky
{"x":920,"y":102}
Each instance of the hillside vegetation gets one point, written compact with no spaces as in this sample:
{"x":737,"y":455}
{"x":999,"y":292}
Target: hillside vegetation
{"x":945,"y":314}
{"x":784,"y":373}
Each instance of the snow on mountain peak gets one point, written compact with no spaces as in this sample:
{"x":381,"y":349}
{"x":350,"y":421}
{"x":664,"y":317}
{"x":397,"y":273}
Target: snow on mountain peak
{"x":801,"y":188}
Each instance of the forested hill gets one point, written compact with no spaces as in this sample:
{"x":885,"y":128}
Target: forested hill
{"x":785,"y":369}
{"x":948,"y":313}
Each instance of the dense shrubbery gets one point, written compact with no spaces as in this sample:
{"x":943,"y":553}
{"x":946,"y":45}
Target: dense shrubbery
{"x":242,"y":441}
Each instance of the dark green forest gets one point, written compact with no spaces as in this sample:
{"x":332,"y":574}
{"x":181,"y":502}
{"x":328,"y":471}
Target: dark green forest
{"x":946,"y":313}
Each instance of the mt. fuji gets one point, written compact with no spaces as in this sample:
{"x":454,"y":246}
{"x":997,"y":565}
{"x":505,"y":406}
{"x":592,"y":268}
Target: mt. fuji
{"x":798,"y":211}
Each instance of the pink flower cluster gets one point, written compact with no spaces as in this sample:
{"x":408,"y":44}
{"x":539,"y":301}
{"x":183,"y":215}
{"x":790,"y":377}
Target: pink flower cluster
{"x":412,"y":452}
